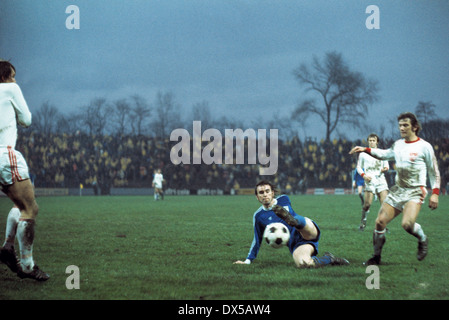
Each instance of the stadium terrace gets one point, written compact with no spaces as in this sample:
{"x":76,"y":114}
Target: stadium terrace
{"x":213,"y":151}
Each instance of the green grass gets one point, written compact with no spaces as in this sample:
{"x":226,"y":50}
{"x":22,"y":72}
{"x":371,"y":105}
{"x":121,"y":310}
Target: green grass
{"x":184,"y":247}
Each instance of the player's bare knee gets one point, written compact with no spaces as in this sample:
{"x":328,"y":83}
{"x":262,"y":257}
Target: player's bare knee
{"x":30,"y":212}
{"x":298,"y":264}
{"x":366,"y":207}
{"x":408,"y":226}
{"x":380,"y":224}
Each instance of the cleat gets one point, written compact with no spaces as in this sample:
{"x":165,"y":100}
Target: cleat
{"x":285,"y":215}
{"x":36,"y":274}
{"x":336,"y":261}
{"x":8,"y":257}
{"x":422,"y":249}
{"x":374,"y":260}
{"x":362,"y":225}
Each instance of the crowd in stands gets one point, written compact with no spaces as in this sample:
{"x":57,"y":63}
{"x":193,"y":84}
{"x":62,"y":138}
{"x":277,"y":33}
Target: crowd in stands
{"x":68,"y":161}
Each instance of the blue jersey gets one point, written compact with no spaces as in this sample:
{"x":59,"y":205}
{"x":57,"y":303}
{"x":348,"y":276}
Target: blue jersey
{"x":359,"y":181}
{"x":263,"y":217}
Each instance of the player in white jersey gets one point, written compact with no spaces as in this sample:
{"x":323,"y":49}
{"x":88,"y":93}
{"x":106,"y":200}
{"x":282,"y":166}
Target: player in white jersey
{"x":372,"y":170}
{"x":415,"y":161}
{"x":158,"y":180}
{"x":15,"y":180}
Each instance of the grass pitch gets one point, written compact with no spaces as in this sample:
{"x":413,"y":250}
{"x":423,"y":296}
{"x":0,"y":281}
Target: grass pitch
{"x":183,"y":248}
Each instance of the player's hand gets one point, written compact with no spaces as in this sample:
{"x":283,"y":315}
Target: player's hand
{"x":433,"y":201}
{"x":357,"y":150}
{"x":367,"y":178}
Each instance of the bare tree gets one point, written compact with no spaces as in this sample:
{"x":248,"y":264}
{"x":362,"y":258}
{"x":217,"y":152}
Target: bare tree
{"x":121,"y":110}
{"x":425,"y":111}
{"x":286,"y":128}
{"x":167,"y":115}
{"x":432,"y":127}
{"x":345,"y":94}
{"x":69,"y":123}
{"x":224,"y":123}
{"x":201,"y":112}
{"x":140,"y":112}
{"x":95,"y":116}
{"x":45,"y":119}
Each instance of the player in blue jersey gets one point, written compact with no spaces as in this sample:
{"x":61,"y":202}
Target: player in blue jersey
{"x":358,"y":182}
{"x":304,"y":233}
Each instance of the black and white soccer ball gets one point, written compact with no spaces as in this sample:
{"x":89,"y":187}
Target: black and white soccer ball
{"x":276,"y":235}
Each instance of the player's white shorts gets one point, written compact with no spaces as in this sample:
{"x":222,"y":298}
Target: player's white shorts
{"x":376,"y":185}
{"x":158,"y":185}
{"x":13,"y":166}
{"x":399,"y":196}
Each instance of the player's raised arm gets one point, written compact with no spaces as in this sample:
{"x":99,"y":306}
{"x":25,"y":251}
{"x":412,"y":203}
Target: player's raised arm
{"x":357,"y":149}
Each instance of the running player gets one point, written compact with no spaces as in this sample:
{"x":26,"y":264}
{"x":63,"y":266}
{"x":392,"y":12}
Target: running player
{"x":415,"y":161}
{"x":304,"y":233}
{"x":15,"y":179}
{"x":359,"y":183}
{"x":372,"y":170}
{"x":158,"y":180}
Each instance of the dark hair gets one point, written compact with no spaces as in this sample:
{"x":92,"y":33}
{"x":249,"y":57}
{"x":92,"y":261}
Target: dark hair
{"x":413,"y":120}
{"x":373,"y":135}
{"x":5,"y":70}
{"x":263,"y":183}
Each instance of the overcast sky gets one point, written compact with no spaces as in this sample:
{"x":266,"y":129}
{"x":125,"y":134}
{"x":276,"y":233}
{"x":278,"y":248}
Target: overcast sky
{"x":237,"y":55}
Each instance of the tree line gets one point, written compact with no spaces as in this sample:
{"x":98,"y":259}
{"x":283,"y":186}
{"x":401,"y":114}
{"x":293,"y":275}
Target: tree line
{"x":334,"y":93}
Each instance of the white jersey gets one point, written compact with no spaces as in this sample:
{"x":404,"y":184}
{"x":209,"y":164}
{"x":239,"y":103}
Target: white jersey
{"x":157,"y":180}
{"x":372,"y":167}
{"x":414,"y":161}
{"x":13,"y":110}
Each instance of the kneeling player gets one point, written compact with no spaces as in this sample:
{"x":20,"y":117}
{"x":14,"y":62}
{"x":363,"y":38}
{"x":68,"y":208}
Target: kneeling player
{"x":304,"y":233}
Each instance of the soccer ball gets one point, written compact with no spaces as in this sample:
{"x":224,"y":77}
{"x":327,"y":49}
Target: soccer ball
{"x":276,"y":235}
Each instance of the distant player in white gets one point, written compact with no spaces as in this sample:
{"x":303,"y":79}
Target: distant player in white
{"x":372,"y":170}
{"x":158,"y":180}
{"x":415,"y":161}
{"x":15,"y":179}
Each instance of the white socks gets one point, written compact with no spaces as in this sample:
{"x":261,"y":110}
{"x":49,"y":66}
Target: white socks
{"x":418,"y":232}
{"x":24,"y":230}
{"x":364,"y":214}
{"x":11,"y":227}
{"x":25,"y":237}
